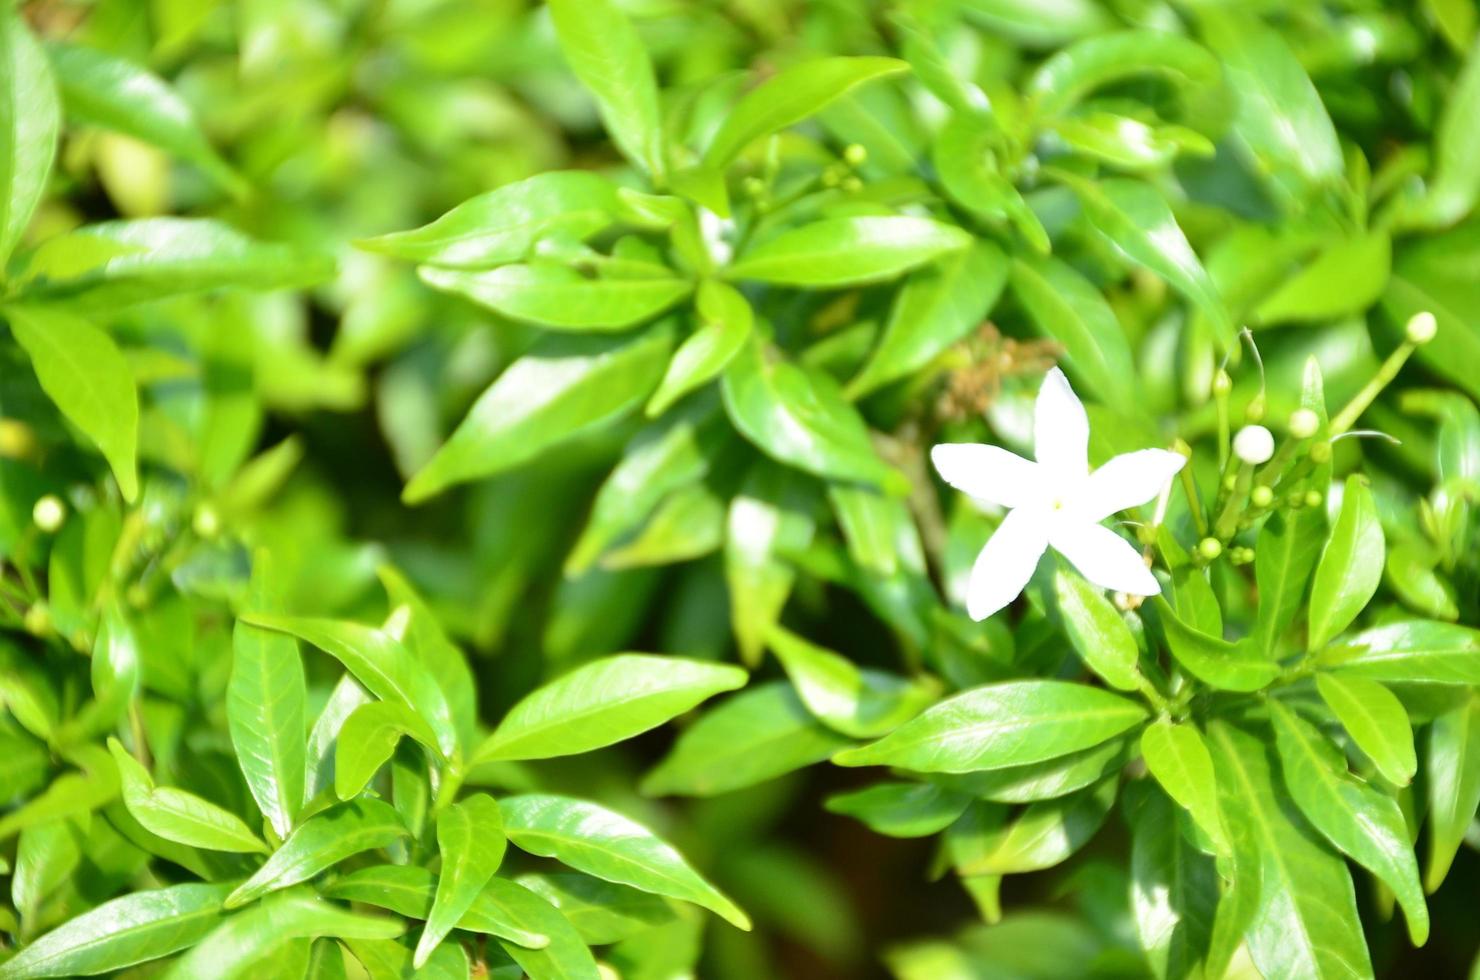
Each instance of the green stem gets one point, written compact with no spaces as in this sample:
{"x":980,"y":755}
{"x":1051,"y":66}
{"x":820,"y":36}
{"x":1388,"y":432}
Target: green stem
{"x":1384,"y":376}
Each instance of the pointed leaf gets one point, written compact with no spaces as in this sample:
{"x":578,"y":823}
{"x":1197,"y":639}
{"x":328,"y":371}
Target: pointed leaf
{"x":1376,"y":720}
{"x":1174,"y":890}
{"x":177,"y":815}
{"x":1213,"y":660}
{"x":1350,"y":567}
{"x":858,"y":702}
{"x":726,"y":321}
{"x":559,"y":298}
{"x":1064,"y":306}
{"x":1098,"y":633}
{"x":1413,"y":650}
{"x":848,"y":251}
{"x":902,"y":809}
{"x":1178,"y":757}
{"x":408,"y":890}
{"x":321,"y":842}
{"x":1453,"y":770}
{"x":30,"y":116}
{"x":470,"y":839}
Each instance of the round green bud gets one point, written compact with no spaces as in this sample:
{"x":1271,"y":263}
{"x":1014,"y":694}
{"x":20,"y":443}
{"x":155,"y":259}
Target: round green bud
{"x":1261,"y":497}
{"x":1421,"y":328}
{"x":1241,"y":556}
{"x":1320,"y":452}
{"x":1304,"y":423}
{"x":855,"y":155}
{"x":1253,"y":444}
{"x":1296,"y":500}
{"x":37,"y":619}
{"x":831,"y":177}
{"x":49,"y":513}
{"x":851,"y":184}
{"x":207,"y":521}
{"x":1254,"y":411}
{"x":17,"y":441}
{"x":1209,"y":548}
{"x":1230,"y":481}
{"x":753,"y":186}
{"x":1313,"y":498}
{"x":1222,"y":383}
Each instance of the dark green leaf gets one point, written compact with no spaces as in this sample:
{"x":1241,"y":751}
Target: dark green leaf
{"x":1284,"y":555}
{"x":902,"y":809}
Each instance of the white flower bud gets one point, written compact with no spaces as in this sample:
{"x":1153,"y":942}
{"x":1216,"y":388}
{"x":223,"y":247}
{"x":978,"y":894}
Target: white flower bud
{"x":49,"y":513}
{"x":1253,"y":444}
{"x":1304,"y":423}
{"x":1422,"y":327}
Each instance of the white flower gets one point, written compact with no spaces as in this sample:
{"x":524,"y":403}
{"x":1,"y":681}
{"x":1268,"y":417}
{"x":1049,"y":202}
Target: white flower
{"x":1056,"y":501}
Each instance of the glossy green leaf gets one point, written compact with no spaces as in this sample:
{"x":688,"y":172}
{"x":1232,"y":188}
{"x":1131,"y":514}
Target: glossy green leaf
{"x":409,"y":890}
{"x":770,"y":517}
{"x":756,"y":735}
{"x":379,"y":661}
{"x":725,"y":324}
{"x":367,"y":740}
{"x":1453,"y":770}
{"x":1000,"y":725}
{"x":563,"y":387}
{"x":471,"y":842}
{"x":1177,"y":756}
{"x":265,"y":707}
{"x":1213,"y":660}
{"x":82,"y":370}
{"x":901,"y":809}
{"x":1174,"y":890}
{"x":848,"y":251}
{"x":119,"y":95}
{"x":1304,"y":920}
{"x":1376,"y":720}
{"x":1323,"y":290}
{"x":855,"y":701}
{"x":603,"y":49}
{"x":800,"y":417}
{"x":604,"y":702}
{"x":608,"y":845}
{"x":116,"y":263}
{"x":1067,"y":308}
{"x":319,"y":843}
{"x":505,"y":224}
{"x":30,"y":116}
{"x":938,"y":305}
{"x":428,"y":643}
{"x":790,"y":96}
{"x":1350,"y":567}
{"x":1361,"y":821}
{"x":1098,"y":633}
{"x":1045,"y":834}
{"x":1034,"y":781}
{"x":117,"y":934}
{"x":601,"y":911}
{"x":177,"y":815}
{"x":564,"y":957}
{"x":390,"y":959}
{"x":1454,"y":187}
{"x":559,"y":298}
{"x":1069,"y":75}
{"x":1284,"y":556}
{"x":1413,"y":650}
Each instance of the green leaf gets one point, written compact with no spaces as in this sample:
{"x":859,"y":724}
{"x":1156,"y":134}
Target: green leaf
{"x":177,"y":815}
{"x":564,"y":957}
{"x":1453,"y":771}
{"x":367,"y":740}
{"x":563,"y":387}
{"x":1304,"y":920}
{"x":82,"y":370}
{"x":756,"y":735}
{"x":1213,"y":660}
{"x":1454,"y":186}
{"x":856,"y":701}
{"x":1284,"y":555}
{"x":265,"y":707}
{"x":30,"y":118}
{"x":1279,"y":114}
{"x":1324,"y":289}
{"x":1036,"y":781}
{"x":1067,"y":308}
{"x":1063,"y":80}
{"x":505,"y":224}
{"x":851,"y":251}
{"x":471,"y":842}
{"x":1376,"y":720}
{"x":1350,"y":567}
{"x":1000,"y":725}
{"x":1044,"y":834}
{"x":1359,"y":820}
{"x":603,"y":49}
{"x":879,"y":530}
{"x":901,"y":809}
{"x":426,"y":641}
{"x":390,"y":959}
{"x":1135,"y":219}
{"x":938,"y":305}
{"x":118,"y":263}
{"x":559,"y":298}
{"x":800,"y":417}
{"x":1174,"y":890}
{"x":770,"y":517}
{"x":321,"y":842}
{"x":963,"y":154}
{"x":725,"y":324}
{"x":791,"y":95}
{"x":1177,"y":756}
{"x":409,"y":890}
{"x":601,"y":911}
{"x":1040,"y":23}
{"x":604,"y":702}
{"x":381,"y":662}
{"x":117,"y":934}
{"x":107,"y":91}
{"x":608,"y":845}
{"x":1099,"y":635}
{"x":1414,"y":650}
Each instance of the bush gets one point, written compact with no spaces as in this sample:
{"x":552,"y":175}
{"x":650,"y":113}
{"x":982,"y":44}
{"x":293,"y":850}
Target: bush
{"x":376,"y":375}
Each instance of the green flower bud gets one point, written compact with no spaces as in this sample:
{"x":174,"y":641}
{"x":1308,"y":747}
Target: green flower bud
{"x":1320,"y":452}
{"x":49,"y":513}
{"x":1313,"y":498}
{"x":206,"y":522}
{"x":1261,"y":497}
{"x":1209,"y":548}
{"x":1255,"y":410}
{"x":1222,"y":383}
{"x":855,"y":155}
{"x":851,"y":184}
{"x":17,"y":441}
{"x":753,"y":187}
{"x":1421,"y":328}
{"x":38,"y":619}
{"x":1304,"y":423}
{"x":1296,"y":500}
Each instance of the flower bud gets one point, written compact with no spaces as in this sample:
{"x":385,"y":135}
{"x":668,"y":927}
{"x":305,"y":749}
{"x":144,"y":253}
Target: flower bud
{"x":1254,"y":411}
{"x":17,"y":441}
{"x":1421,"y":328}
{"x":851,"y":185}
{"x":1222,"y":383}
{"x":753,"y":187}
{"x":855,"y":155}
{"x":1313,"y":498}
{"x":1304,"y":423}
{"x":1209,"y":548}
{"x":1261,"y":497}
{"x":49,"y":513}
{"x":1253,"y":444}
{"x":1320,"y":452}
{"x":37,"y":619}
{"x":207,"y":521}
{"x":1296,"y":500}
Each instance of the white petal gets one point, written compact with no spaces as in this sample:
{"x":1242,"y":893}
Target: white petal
{"x":1061,"y":430}
{"x":987,"y":473}
{"x":1005,"y":564}
{"x":1128,"y":480}
{"x":1105,"y":558}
